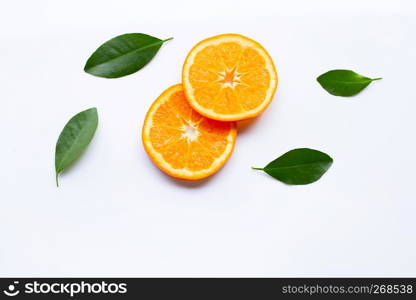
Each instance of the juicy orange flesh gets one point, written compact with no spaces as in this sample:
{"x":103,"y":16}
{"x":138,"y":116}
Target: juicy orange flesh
{"x":184,"y":138}
{"x":228,"y":78}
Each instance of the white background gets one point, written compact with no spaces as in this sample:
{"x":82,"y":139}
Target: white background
{"x":116,"y":214}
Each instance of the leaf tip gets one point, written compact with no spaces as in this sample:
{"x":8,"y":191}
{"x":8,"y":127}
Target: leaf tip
{"x":168,"y":39}
{"x":87,"y":66}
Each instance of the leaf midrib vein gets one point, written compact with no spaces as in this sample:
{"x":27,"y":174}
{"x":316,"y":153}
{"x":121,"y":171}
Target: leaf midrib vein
{"x":350,"y":82}
{"x":127,"y":53}
{"x":298,"y":165}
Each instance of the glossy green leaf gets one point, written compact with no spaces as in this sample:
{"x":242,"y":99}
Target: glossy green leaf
{"x":74,"y":139}
{"x":299,"y":166}
{"x":123,"y":55}
{"x":344,"y":83}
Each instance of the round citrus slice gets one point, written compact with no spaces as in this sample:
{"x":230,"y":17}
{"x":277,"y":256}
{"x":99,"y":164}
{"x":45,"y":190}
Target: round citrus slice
{"x":183,"y":143}
{"x":229,"y":77}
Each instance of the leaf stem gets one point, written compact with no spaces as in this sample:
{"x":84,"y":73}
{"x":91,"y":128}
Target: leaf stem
{"x":254,"y":168}
{"x":56,"y":178}
{"x":377,"y":78}
{"x":171,"y":38}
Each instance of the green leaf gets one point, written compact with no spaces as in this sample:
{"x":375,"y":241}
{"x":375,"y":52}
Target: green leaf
{"x":344,"y":83}
{"x":299,"y":166}
{"x":74,"y":139}
{"x":123,"y":55}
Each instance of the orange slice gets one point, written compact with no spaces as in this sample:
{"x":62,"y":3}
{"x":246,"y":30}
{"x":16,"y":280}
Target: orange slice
{"x":229,"y":77}
{"x":183,"y":143}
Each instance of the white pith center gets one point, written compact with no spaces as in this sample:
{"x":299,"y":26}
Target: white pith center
{"x":190,"y":132}
{"x":229,"y":78}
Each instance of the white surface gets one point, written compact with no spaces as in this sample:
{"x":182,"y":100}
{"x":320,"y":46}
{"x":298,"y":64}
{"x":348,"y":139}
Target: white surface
{"x":116,"y":214}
